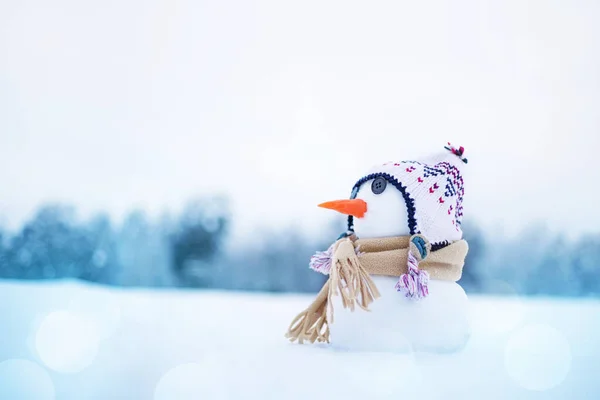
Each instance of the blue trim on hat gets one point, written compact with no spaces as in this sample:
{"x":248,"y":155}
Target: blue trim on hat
{"x":410,"y":202}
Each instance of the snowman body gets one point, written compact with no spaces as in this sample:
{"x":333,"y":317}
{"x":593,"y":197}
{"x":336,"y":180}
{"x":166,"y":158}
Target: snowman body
{"x":395,"y":323}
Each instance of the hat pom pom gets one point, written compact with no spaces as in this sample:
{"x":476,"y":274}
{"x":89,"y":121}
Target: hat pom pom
{"x":457,"y":152}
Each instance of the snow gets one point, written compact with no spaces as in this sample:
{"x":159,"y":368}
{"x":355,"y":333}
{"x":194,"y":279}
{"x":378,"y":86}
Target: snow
{"x":71,"y":341}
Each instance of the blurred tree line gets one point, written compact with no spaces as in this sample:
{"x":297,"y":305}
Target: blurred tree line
{"x":191,"y":250}
{"x":187,"y":250}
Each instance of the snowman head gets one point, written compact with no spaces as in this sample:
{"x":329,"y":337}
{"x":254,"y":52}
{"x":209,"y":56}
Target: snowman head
{"x":409,"y":197}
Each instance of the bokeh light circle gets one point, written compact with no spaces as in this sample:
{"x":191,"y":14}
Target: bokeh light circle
{"x":25,"y":380}
{"x":67,"y":342}
{"x":537,"y":357}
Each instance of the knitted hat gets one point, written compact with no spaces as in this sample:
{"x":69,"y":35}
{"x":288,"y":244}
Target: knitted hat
{"x":433,"y":190}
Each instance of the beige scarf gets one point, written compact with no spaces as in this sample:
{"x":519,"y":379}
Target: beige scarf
{"x":350,"y":272}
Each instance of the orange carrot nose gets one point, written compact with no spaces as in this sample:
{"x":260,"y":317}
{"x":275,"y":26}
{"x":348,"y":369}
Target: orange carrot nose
{"x":355,"y":207}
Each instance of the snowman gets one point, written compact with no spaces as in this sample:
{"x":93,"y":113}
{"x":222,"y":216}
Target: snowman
{"x":393,"y":275}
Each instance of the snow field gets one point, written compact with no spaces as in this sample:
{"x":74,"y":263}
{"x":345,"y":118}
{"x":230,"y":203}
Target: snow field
{"x":72,"y":341}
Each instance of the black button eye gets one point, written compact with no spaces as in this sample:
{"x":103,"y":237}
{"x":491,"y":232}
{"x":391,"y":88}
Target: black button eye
{"x":378,"y":185}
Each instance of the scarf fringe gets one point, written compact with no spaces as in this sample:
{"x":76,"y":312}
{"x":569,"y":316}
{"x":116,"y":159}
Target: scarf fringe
{"x":350,"y":280}
{"x":347,"y":279}
{"x":311,"y":324}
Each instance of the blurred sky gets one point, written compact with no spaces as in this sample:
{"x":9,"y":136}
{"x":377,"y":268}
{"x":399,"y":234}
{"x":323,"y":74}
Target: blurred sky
{"x":282,"y":105}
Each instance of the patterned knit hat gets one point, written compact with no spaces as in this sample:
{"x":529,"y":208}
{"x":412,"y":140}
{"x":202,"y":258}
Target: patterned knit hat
{"x":433,"y":190}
